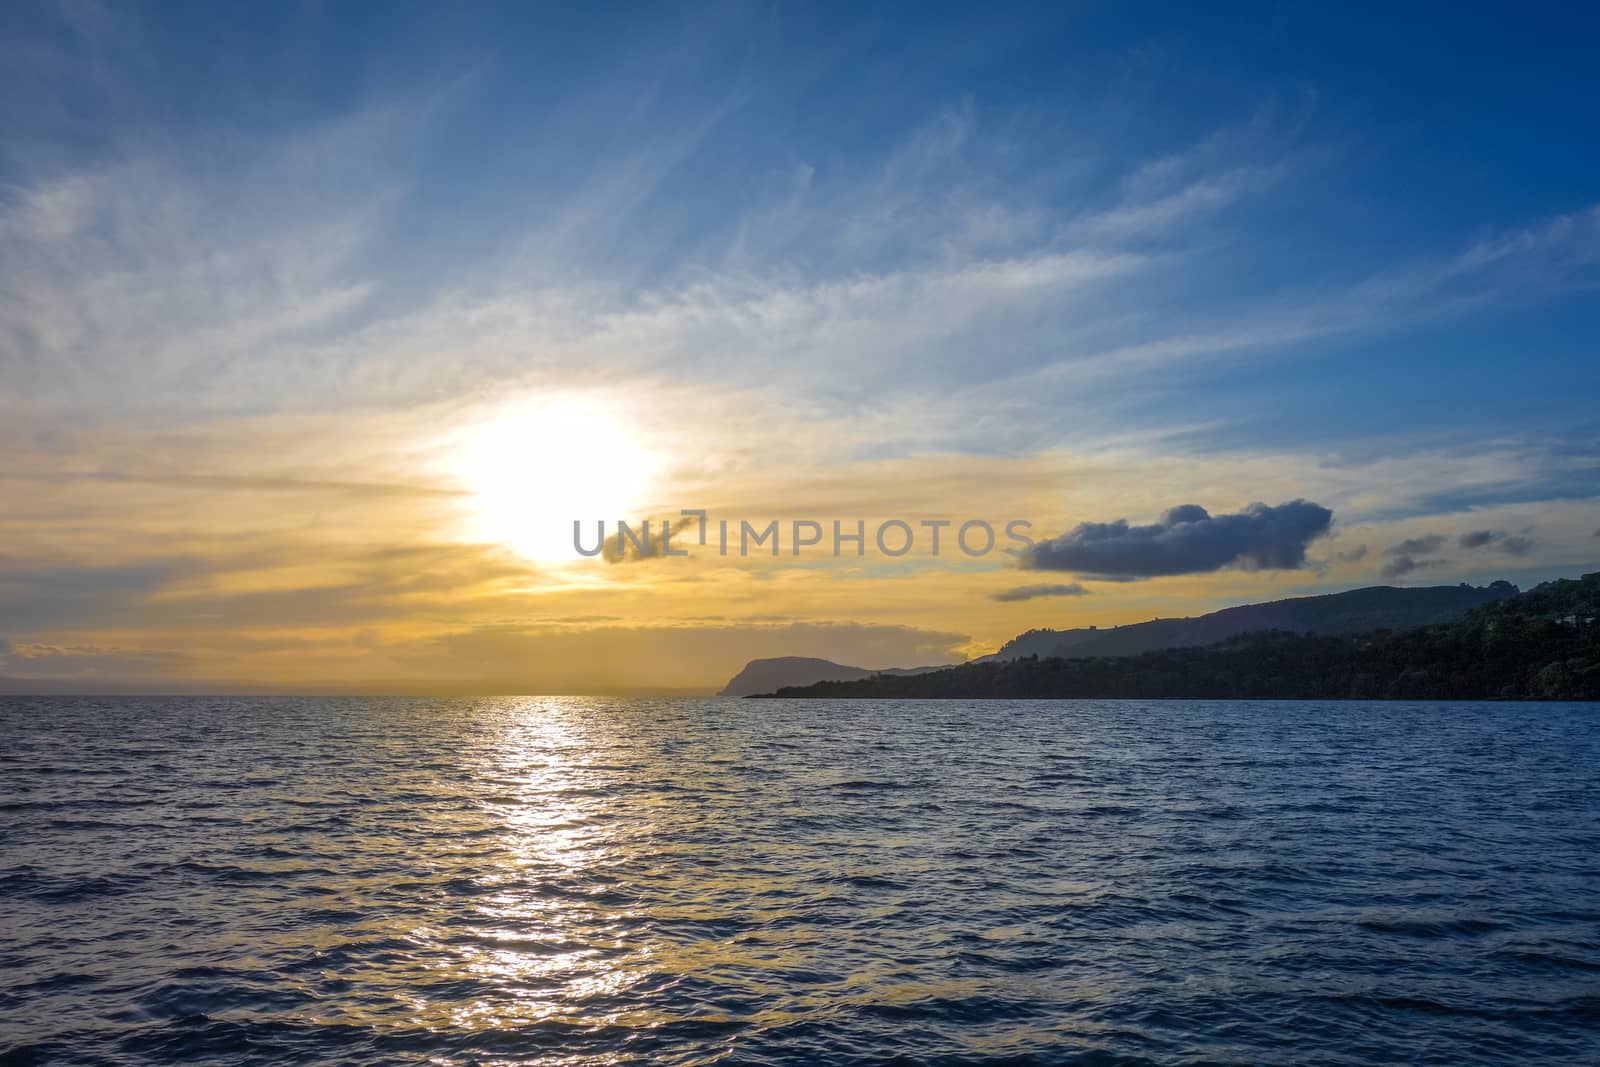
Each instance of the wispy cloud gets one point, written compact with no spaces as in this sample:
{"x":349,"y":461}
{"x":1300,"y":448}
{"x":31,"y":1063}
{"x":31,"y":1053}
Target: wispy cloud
{"x":1413,"y":554}
{"x":1034,"y":592}
{"x":143,"y":280}
{"x":1510,"y":544}
{"x":1417,"y":546}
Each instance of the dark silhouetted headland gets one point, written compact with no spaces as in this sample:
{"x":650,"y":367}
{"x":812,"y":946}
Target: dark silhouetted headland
{"x":765,"y":675}
{"x":1539,"y":645}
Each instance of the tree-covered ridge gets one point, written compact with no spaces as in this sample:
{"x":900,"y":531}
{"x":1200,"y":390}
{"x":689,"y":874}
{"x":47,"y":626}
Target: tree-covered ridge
{"x":1354,"y":611}
{"x":1540,"y":645}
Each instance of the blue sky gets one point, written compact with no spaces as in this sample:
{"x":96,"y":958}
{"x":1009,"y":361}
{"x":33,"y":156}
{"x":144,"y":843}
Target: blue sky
{"x":1320,"y":150}
{"x":1254,"y":252}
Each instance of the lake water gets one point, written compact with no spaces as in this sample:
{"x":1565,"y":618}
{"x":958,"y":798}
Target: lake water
{"x":687,"y":882}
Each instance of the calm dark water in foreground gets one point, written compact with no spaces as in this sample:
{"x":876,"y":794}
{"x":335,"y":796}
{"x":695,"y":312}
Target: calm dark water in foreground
{"x":690,"y":882}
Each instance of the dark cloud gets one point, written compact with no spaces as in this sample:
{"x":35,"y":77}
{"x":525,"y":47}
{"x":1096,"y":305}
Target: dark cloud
{"x":1417,"y":546}
{"x":1030,"y":592}
{"x":1354,"y":555}
{"x":1404,"y":564}
{"x":36,"y":598}
{"x":5,"y":646}
{"x":617,"y":550}
{"x":1400,"y":565}
{"x":1510,"y":544}
{"x":1411,"y":555}
{"x":1187,"y":540}
{"x":381,"y":582}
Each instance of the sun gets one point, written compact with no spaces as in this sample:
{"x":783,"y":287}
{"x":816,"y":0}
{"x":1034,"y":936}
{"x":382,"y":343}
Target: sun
{"x":535,"y":467}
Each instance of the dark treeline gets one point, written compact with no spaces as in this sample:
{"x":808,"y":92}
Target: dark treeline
{"x":1540,"y":645}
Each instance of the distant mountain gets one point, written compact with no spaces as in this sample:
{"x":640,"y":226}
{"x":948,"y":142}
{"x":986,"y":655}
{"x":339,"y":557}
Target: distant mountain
{"x":765,"y":675}
{"x":1539,"y":645}
{"x":1379,"y":607}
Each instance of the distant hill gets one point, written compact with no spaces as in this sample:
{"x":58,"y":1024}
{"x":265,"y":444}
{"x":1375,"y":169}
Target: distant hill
{"x":1379,"y":607}
{"x":765,"y":675}
{"x":1540,"y":645}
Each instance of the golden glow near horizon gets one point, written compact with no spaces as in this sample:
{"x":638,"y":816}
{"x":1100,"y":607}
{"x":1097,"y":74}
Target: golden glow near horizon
{"x":401,"y":551}
{"x":536,"y":465}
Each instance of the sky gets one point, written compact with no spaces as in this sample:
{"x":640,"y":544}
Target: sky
{"x":321,"y":324}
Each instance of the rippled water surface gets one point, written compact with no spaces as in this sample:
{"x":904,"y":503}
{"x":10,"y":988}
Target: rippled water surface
{"x":689,"y":882}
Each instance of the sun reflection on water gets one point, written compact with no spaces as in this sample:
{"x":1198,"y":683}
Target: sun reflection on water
{"x":546,"y":934}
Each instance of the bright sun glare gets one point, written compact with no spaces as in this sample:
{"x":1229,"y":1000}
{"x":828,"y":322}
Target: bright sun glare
{"x":536,"y":467}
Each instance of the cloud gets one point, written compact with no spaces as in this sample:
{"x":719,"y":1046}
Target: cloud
{"x":1416,"y":546}
{"x":139,"y":279}
{"x":616,"y":549}
{"x":53,"y":661}
{"x":1498,"y":539}
{"x":1403,"y":564}
{"x":1417,"y":553}
{"x":361,"y":585}
{"x":38,"y":597}
{"x":1547,"y":259}
{"x":5,"y":646}
{"x":1159,"y":215}
{"x":1353,"y":555}
{"x":1030,"y":592}
{"x":151,"y":258}
{"x":1403,"y":557}
{"x":1187,"y":540}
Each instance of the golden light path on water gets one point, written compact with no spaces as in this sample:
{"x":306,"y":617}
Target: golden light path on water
{"x":553,"y":806}
{"x":595,"y":907}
